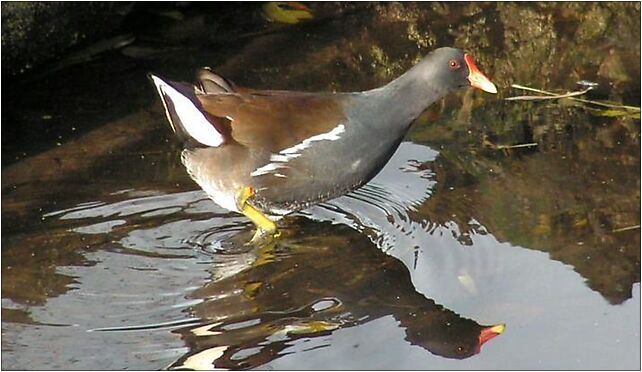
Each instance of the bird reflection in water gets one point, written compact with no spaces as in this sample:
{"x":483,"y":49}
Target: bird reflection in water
{"x":250,"y":318}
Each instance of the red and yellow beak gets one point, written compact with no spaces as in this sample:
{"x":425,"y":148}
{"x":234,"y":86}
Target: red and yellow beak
{"x":489,"y":333}
{"x":477,"y":78}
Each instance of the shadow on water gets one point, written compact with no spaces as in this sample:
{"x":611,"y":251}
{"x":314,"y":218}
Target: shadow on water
{"x":112,"y":259}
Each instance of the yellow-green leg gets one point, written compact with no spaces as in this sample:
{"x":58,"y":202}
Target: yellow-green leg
{"x":265,"y":228}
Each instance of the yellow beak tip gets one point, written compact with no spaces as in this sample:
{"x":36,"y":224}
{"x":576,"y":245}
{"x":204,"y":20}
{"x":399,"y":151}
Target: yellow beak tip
{"x":491,"y":89}
{"x":499,"y":329}
{"x":485,"y":85}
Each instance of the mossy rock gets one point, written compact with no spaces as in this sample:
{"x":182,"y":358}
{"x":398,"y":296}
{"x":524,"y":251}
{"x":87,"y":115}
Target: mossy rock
{"x":35,"y":32}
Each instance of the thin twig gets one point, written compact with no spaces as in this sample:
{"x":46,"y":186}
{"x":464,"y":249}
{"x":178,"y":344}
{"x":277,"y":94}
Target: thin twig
{"x":631,"y":108}
{"x":501,"y":147}
{"x":556,"y":96}
{"x":627,"y":228}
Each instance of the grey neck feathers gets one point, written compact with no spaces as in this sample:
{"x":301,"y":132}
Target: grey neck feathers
{"x":402,"y":100}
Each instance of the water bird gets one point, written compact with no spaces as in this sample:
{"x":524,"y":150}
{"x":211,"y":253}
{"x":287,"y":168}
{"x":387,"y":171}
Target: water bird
{"x":268,"y":153}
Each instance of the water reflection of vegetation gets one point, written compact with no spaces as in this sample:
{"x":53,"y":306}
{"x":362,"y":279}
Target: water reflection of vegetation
{"x":568,"y":196}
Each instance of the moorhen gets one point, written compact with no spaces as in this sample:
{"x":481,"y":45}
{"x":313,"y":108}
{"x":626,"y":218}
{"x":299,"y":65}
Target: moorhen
{"x":267,"y":153}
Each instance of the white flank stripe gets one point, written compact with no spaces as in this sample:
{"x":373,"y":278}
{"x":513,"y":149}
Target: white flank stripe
{"x":192,"y":119}
{"x":283,"y":158}
{"x":332,"y":135}
{"x":295,"y":151}
{"x":266,"y":169}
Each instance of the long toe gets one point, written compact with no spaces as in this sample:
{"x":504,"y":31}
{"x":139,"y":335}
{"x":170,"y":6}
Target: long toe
{"x":264,"y":237}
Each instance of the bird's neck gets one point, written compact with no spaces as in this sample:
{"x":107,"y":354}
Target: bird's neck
{"x":402,"y":100}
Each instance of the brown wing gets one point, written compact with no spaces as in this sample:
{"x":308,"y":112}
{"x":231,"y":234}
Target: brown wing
{"x":275,"y":120}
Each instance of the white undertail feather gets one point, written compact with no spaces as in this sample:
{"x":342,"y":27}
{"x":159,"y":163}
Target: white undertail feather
{"x":191,"y":118}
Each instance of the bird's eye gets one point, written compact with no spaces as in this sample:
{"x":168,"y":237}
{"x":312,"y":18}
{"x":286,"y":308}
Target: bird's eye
{"x":454,"y":64}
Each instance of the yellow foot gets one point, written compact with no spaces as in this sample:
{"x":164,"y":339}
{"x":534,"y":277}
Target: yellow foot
{"x":266,"y":230}
{"x":263,"y":237}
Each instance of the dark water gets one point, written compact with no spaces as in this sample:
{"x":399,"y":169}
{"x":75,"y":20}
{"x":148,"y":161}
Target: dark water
{"x":113,"y":259}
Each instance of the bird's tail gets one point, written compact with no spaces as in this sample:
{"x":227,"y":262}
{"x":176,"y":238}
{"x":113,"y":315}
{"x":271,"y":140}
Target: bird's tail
{"x":186,"y":115}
